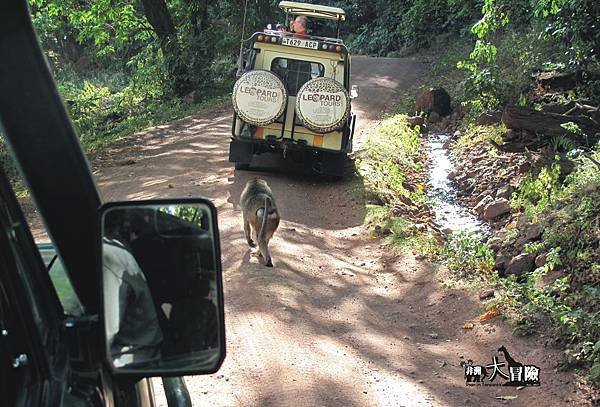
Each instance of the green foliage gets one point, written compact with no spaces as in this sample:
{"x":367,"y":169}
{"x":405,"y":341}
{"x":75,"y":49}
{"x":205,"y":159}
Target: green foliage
{"x":392,"y":155}
{"x":569,"y":210}
{"x":398,"y":231}
{"x":467,"y":253}
{"x":385,"y":27}
{"x":514,"y":36}
{"x":537,"y":194}
{"x":475,"y":135}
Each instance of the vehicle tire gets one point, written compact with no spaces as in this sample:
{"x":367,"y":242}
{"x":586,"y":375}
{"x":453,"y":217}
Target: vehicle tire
{"x":242,"y":166}
{"x":333,"y":166}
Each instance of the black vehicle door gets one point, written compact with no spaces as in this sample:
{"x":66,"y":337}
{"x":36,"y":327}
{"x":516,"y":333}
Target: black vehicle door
{"x":33,"y":356}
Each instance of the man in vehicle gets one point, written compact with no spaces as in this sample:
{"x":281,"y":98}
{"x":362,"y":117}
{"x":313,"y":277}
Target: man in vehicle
{"x":133,"y":331}
{"x":299,"y":26}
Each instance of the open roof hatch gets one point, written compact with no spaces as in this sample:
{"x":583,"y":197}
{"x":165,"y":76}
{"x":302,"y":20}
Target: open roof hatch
{"x":313,"y":10}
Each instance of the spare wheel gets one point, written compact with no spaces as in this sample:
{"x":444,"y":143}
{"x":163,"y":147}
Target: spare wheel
{"x":323,"y":105}
{"x":259,"y":97}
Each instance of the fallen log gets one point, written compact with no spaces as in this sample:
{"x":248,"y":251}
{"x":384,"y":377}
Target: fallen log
{"x":562,"y":81}
{"x":575,"y":108}
{"x":549,"y":124}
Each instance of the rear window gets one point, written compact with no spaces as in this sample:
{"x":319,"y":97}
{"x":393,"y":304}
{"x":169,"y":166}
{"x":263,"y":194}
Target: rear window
{"x":296,"y":73}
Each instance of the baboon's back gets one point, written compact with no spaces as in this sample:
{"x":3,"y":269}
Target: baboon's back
{"x":254,"y":195}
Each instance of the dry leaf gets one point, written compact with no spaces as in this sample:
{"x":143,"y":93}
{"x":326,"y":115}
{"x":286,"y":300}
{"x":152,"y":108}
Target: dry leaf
{"x":468,"y":325}
{"x":489,"y":315}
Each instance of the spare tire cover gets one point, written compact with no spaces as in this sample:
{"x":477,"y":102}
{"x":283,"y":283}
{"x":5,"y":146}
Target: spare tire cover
{"x":323,"y":105}
{"x":259,"y":97}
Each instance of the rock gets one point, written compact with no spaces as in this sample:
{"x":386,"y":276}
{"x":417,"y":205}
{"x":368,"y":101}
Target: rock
{"x":480,"y":207}
{"x":496,"y":208}
{"x":533,"y":232}
{"x":447,"y":231}
{"x":471,"y":174}
{"x":501,"y":262}
{"x":548,"y":278}
{"x":561,"y":81}
{"x":416,"y":121}
{"x":434,"y":117}
{"x":434,"y":100}
{"x":519,"y":244}
{"x":486,"y":294}
{"x":504,"y":192}
{"x":452,"y":175}
{"x":566,"y":167}
{"x":495,"y":243}
{"x":460,"y":178}
{"x":511,"y":135}
{"x":406,"y":200}
{"x":408,"y":187}
{"x":540,"y":260}
{"x":489,"y":118}
{"x":457,"y":134}
{"x":521,"y":264}
{"x":521,"y":221}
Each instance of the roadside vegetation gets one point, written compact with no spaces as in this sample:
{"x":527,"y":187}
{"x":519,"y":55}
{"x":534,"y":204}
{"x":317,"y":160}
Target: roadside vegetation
{"x":511,"y":54}
{"x":122,"y":66}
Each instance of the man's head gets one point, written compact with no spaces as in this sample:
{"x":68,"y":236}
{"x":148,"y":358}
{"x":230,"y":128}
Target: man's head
{"x":300,"y":24}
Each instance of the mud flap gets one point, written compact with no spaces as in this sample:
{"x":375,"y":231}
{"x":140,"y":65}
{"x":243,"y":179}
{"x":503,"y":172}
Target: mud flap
{"x":240,"y":152}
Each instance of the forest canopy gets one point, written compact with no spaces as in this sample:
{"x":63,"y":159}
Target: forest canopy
{"x":122,"y":65}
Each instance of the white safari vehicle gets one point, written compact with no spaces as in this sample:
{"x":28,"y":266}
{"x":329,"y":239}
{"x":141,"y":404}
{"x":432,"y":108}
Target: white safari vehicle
{"x":294,"y":94}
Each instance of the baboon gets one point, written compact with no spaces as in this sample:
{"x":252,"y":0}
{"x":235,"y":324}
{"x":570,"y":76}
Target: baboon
{"x":260,"y":216}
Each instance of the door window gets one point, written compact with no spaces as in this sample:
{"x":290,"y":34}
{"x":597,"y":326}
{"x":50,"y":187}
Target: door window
{"x":64,"y":289}
{"x":296,"y":73}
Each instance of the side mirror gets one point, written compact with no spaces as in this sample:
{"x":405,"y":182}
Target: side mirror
{"x":162,"y":287}
{"x":354,"y":92}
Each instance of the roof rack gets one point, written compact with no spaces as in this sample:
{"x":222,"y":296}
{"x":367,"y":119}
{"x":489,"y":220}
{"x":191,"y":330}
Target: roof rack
{"x":313,"y":10}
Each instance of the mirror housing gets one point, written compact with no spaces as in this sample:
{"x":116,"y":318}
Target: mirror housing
{"x":354,"y":92}
{"x":161,"y":285}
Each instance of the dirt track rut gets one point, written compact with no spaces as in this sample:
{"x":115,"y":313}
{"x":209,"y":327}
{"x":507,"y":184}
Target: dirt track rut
{"x":339,"y":320}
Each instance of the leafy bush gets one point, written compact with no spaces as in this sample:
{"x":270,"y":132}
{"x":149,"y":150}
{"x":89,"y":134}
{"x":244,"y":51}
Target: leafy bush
{"x":571,"y":240}
{"x":537,"y":194}
{"x":393,"y":155}
{"x":467,"y":253}
{"x":389,"y":27}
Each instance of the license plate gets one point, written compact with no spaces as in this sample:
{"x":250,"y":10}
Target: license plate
{"x":296,"y":42}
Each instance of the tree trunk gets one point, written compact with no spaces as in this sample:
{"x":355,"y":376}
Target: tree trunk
{"x":159,"y":17}
{"x":549,"y":124}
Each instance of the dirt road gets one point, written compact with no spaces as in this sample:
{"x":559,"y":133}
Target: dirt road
{"x":339,"y":320}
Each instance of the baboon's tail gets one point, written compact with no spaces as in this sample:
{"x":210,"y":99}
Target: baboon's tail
{"x":264,"y":220}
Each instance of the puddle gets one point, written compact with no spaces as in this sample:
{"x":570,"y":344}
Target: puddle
{"x":449,"y":213}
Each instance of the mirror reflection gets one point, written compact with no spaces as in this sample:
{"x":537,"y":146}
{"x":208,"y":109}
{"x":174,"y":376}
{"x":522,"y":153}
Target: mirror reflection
{"x":160,"y":287}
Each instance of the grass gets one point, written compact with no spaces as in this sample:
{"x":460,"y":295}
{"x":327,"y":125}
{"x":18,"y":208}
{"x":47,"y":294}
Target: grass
{"x":473,"y":135}
{"x":399,"y":232}
{"x":392,"y":160}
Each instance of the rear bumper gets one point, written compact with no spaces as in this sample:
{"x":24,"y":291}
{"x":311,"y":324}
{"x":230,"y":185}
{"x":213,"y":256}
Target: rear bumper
{"x":253,"y":145}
